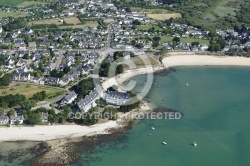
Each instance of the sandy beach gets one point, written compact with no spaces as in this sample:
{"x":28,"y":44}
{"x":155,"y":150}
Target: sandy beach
{"x":45,"y":133}
{"x":202,"y":60}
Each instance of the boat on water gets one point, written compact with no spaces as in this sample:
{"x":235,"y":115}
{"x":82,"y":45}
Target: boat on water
{"x":195,"y":144}
{"x":164,"y":143}
{"x":152,"y":128}
{"x":187,"y":84}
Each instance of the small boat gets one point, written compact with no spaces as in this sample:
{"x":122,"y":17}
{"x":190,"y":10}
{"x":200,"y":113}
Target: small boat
{"x":195,"y":144}
{"x":159,"y":86}
{"x":187,"y":84}
{"x":150,"y":134}
{"x":164,"y":143}
{"x":152,"y":128}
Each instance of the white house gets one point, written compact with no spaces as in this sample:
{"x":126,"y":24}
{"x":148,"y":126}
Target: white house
{"x":13,"y":119}
{"x":4,"y":120}
{"x":69,"y":98}
{"x":89,"y":100}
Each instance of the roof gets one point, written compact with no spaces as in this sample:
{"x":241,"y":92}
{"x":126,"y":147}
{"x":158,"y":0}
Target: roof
{"x":4,"y":118}
{"x":89,"y":98}
{"x":71,"y":95}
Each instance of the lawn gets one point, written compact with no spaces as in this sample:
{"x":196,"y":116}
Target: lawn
{"x":183,"y":40}
{"x":140,"y":62}
{"x":164,"y":16}
{"x":11,"y":2}
{"x":30,"y":3}
{"x":30,"y":90}
{"x":138,"y":9}
{"x":12,"y":14}
{"x":87,"y":24}
{"x":72,"y":20}
{"x":50,"y":21}
{"x":147,"y":27}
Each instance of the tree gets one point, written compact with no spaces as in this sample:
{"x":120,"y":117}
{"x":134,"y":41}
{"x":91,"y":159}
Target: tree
{"x":17,"y":122}
{"x":156,"y":41}
{"x":176,"y":39}
{"x":28,"y":104}
{"x":136,"y":22}
{"x":214,"y":47}
{"x":195,"y":43}
{"x":90,"y":118}
{"x":2,"y":112}
{"x":66,"y":70}
{"x":11,"y":112}
{"x":104,"y":70}
{"x":119,"y":69}
{"x":110,"y":113}
{"x":39,"y":96}
{"x":164,"y":50}
{"x":33,"y":118}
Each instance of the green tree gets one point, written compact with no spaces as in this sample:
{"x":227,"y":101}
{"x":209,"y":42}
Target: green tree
{"x":28,"y":104}
{"x":11,"y":112}
{"x":17,"y":122}
{"x":34,"y":118}
{"x":90,"y":119}
{"x":119,"y":69}
{"x":164,"y":50}
{"x":176,"y":39}
{"x":110,"y":113}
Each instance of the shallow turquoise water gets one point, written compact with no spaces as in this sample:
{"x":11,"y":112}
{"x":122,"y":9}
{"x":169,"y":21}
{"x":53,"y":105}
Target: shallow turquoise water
{"x":216,"y":108}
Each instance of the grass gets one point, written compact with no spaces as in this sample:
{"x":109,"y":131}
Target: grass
{"x":183,"y":40}
{"x":139,"y":62}
{"x":11,"y":2}
{"x":147,"y":27}
{"x":72,"y":20}
{"x":30,"y":3}
{"x":87,"y":24}
{"x":143,"y":10}
{"x":50,"y":21}
{"x":12,"y":14}
{"x":222,"y":9}
{"x":164,"y":16}
{"x":30,"y":90}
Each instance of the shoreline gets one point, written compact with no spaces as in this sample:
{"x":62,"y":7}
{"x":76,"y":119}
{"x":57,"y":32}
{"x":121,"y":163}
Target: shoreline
{"x":173,"y":60}
{"x":46,"y":133}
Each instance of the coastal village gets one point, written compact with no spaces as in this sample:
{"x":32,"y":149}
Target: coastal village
{"x":61,"y":44}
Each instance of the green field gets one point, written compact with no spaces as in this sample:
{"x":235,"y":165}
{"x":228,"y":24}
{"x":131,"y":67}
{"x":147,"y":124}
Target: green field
{"x":11,"y":2}
{"x":143,"y":10}
{"x":184,"y":40}
{"x":147,"y":27}
{"x":30,"y":90}
{"x":87,"y":24}
{"x":30,"y":3}
{"x":12,"y":14}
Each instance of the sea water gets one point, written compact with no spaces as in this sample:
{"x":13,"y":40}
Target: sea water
{"x":215,"y":109}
